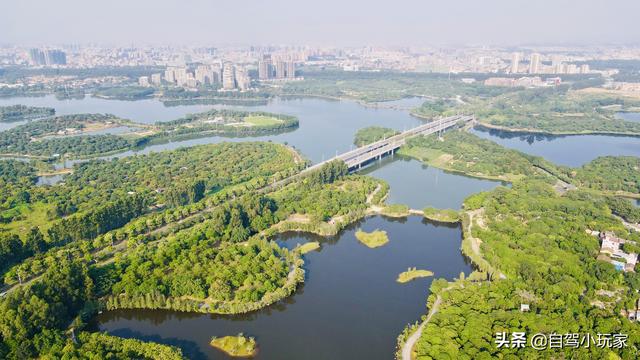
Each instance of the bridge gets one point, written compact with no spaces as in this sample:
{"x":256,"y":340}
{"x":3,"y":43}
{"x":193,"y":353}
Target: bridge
{"x":362,"y":155}
{"x":377,"y":150}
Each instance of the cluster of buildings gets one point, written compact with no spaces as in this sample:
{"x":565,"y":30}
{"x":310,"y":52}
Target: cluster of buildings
{"x":611,"y":251}
{"x":278,"y":69}
{"x":525,"y":81}
{"x":536,"y":66}
{"x":230,"y":76}
{"x":47,"y":57}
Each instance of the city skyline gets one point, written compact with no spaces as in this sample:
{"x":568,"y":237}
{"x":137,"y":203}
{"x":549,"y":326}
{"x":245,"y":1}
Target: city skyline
{"x":406,"y":23}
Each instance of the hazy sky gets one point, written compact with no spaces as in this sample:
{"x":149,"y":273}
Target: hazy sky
{"x":320,"y":22}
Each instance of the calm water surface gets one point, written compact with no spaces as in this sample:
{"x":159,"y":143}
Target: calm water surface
{"x":350,"y":306}
{"x":573,"y":151}
{"x":629,"y":116}
{"x":326,"y":127}
{"x":418,"y":186}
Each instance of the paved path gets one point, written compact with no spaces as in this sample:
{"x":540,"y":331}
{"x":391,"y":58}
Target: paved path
{"x":407,"y":348}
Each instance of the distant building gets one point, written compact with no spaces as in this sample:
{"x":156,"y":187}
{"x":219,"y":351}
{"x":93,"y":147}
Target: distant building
{"x":36,"y":57}
{"x":515,"y":63}
{"x":143,"y":81}
{"x":55,"y":57}
{"x":291,"y":70}
{"x":264,"y":68}
{"x":170,"y":75}
{"x":204,"y":75}
{"x":572,"y":69}
{"x":156,"y":79}
{"x":47,"y":57}
{"x":534,"y":64}
{"x":228,"y":76}
{"x":242,"y":79}
{"x":584,"y":69}
{"x":280,"y":70}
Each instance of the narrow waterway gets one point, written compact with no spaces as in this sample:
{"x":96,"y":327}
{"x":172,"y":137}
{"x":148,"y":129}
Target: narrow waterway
{"x":350,"y":307}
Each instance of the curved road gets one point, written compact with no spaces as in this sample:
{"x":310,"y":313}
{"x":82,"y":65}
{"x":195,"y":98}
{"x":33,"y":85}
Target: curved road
{"x":411,"y":340}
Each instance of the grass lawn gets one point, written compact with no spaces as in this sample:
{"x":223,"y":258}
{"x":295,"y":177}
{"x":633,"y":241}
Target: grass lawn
{"x":34,"y":215}
{"x":236,"y":346}
{"x":260,"y":120}
{"x":373,"y":239}
{"x":413,"y":273}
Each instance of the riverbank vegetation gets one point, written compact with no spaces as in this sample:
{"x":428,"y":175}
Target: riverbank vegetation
{"x":372,"y":134}
{"x":45,"y":320}
{"x":373,"y":239}
{"x":463,"y":152}
{"x":22,"y":112}
{"x":236,"y":346}
{"x":412,"y":273}
{"x":539,"y":240}
{"x":124,"y":93}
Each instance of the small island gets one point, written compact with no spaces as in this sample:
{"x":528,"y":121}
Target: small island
{"x":236,"y":346}
{"x":373,"y":239}
{"x":441,"y":215}
{"x":308,"y":247}
{"x":413,"y":273}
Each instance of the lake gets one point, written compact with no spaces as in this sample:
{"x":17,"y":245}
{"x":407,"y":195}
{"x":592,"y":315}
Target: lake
{"x":350,"y":307}
{"x":418,"y":186}
{"x":574,"y":150}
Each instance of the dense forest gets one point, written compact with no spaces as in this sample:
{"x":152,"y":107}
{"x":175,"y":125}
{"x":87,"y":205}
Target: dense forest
{"x":23,"y":112}
{"x":539,"y":241}
{"x":611,"y":173}
{"x":39,"y":137}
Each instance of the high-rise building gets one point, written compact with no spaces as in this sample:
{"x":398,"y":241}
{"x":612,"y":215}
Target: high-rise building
{"x":280,"y":70}
{"x":47,"y":57}
{"x":291,"y":70}
{"x":156,"y":79}
{"x":204,"y":74}
{"x":534,"y":64}
{"x":242,"y":78}
{"x":264,"y":68}
{"x":572,"y":69}
{"x":182,"y":75}
{"x":55,"y":57}
{"x":170,"y":75}
{"x":36,"y":56}
{"x":584,"y":68}
{"x":228,"y":77}
{"x":515,"y":63}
